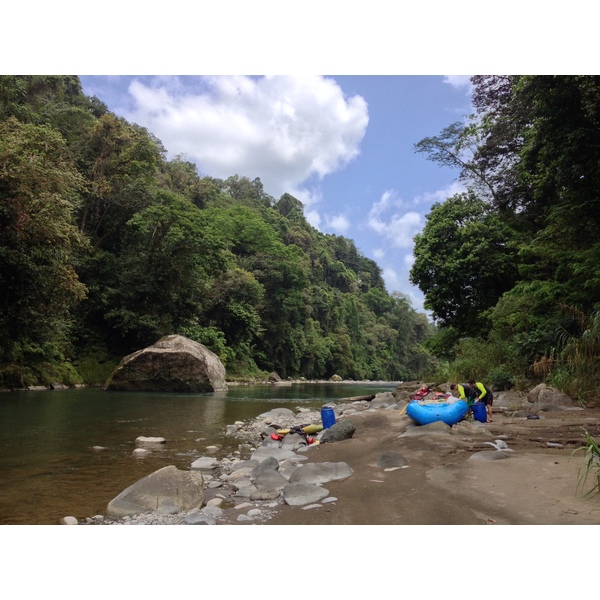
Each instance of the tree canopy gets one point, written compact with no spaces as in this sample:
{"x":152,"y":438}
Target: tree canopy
{"x":533,"y":173}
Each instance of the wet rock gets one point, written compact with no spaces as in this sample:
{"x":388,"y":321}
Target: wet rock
{"x":144,"y":441}
{"x":141,"y":452}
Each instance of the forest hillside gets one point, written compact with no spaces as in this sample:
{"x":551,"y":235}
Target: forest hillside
{"x":106,"y":246}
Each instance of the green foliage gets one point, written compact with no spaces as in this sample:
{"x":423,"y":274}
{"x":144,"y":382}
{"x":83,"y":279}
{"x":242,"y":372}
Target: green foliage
{"x":532,"y":153}
{"x":464,"y":262}
{"x":38,"y":241}
{"x":106,"y":246}
{"x":211,"y":337}
{"x":574,"y":367}
{"x":22,"y":376}
{"x":501,"y":378}
{"x":590,"y":467}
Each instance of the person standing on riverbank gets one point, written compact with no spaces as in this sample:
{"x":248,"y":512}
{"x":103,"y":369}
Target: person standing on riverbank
{"x":485,"y":396}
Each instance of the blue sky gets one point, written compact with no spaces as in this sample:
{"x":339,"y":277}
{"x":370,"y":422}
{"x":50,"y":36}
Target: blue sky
{"x":344,"y":145}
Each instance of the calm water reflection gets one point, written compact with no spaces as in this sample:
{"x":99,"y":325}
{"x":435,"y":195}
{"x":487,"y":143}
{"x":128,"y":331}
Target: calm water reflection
{"x":48,"y":468}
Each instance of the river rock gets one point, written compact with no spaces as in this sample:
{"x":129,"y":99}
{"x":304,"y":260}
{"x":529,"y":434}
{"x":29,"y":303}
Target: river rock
{"x":270,"y":480}
{"x":167,"y":487}
{"x":141,"y":440}
{"x":321,"y":472}
{"x":299,"y":494}
{"x":265,"y":494}
{"x":174,"y":364}
{"x":205,"y":463}
{"x":383,"y":400}
{"x":141,"y":452}
{"x":546,"y":397}
{"x":277,"y":414}
{"x":268,"y":465}
{"x":390,"y":459}
{"x":342,"y":430}
{"x":264,"y":452}
{"x":488,"y":455}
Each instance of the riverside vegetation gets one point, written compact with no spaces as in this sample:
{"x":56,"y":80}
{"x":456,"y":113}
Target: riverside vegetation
{"x":106,"y":246}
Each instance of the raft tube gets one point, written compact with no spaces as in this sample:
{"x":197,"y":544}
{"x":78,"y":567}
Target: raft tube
{"x":449,"y":413}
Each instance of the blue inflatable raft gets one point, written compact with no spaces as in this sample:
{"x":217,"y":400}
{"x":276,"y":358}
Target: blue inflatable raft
{"x":449,"y":413}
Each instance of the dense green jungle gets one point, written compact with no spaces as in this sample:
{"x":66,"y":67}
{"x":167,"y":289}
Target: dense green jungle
{"x":106,"y":246}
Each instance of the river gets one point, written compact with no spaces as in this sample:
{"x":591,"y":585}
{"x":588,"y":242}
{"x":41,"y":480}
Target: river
{"x":49,"y":469}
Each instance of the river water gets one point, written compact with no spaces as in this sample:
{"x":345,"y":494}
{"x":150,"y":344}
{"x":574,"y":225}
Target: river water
{"x":48,"y":468}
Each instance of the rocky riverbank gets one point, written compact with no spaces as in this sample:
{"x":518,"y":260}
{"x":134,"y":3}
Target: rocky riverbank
{"x":385,"y":469}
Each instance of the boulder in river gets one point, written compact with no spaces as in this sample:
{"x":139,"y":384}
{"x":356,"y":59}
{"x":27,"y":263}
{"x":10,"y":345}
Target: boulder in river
{"x":174,"y":364}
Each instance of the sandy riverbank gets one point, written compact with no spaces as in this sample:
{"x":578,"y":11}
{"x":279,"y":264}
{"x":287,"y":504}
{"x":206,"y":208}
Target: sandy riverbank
{"x":535,"y":485}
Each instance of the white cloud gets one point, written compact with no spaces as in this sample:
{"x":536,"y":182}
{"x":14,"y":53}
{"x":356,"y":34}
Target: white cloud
{"x":392,"y":279}
{"x":338,"y":223}
{"x":456,"y":187}
{"x":313,"y":217}
{"x":459,"y":81}
{"x":378,"y":253}
{"x":387,"y":219}
{"x":283,"y":129}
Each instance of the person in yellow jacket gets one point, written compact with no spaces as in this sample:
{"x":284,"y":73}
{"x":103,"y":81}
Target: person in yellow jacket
{"x":466,"y":393}
{"x":485,"y":396}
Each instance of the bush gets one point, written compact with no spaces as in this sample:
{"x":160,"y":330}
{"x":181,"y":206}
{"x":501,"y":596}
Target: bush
{"x":501,"y":378}
{"x":94,"y":370}
{"x":590,"y":466}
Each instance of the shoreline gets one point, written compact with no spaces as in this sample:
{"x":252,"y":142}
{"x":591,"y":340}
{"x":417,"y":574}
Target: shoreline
{"x":452,"y":476}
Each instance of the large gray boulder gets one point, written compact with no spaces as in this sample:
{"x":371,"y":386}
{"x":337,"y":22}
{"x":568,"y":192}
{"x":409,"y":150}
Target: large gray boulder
{"x":545,"y":396}
{"x":174,"y":364}
{"x":166,"y":489}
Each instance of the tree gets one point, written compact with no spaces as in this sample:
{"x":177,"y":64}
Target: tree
{"x":121,"y":167}
{"x":38,"y":194}
{"x":163,"y":281}
{"x":465,"y":259}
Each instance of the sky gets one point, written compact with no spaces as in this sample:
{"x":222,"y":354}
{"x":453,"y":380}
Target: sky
{"x":343,"y":145}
